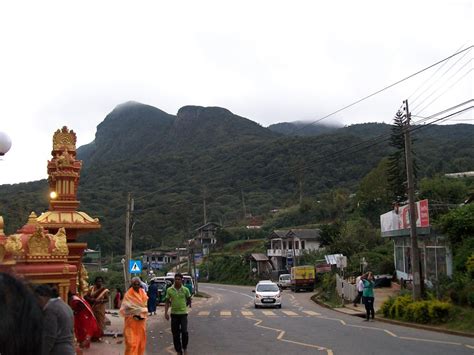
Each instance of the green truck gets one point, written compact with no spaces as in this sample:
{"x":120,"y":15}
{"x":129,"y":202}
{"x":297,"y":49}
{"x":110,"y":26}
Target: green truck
{"x":302,"y":278}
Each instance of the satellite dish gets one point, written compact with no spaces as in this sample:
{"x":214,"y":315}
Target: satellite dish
{"x":5,"y":143}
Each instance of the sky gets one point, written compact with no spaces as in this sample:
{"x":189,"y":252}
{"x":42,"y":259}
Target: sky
{"x":71,"y":63}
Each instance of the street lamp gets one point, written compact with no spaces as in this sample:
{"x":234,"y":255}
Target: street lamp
{"x":5,"y":143}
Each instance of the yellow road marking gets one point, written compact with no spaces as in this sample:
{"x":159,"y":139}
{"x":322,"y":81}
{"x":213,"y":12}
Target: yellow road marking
{"x":282,"y":333}
{"x":336,"y":319}
{"x":390,"y":333}
{"x":290,"y":313}
{"x":204,"y":313}
{"x":226,"y":313}
{"x":269,"y":313}
{"x":312,"y":313}
{"x":247,"y":313}
{"x":469,"y":346}
{"x":431,"y":341}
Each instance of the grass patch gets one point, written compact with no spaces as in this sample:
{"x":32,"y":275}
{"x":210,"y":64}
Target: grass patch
{"x":462,"y":319}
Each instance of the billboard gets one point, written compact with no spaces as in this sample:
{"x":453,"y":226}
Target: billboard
{"x":399,"y":217}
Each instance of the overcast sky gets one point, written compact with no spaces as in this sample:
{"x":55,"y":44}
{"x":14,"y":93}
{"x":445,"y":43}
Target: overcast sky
{"x":65,"y":63}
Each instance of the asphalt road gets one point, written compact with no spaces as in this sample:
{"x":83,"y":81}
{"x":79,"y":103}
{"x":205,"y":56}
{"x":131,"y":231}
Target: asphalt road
{"x":227,"y":323}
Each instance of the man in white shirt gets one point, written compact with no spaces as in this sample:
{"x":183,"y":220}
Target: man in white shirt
{"x":360,"y":289}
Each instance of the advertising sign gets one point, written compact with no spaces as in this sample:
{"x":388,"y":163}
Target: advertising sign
{"x":399,"y":217}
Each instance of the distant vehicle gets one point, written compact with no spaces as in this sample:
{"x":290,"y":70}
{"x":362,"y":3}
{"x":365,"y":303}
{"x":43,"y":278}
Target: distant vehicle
{"x":170,"y":274}
{"x":284,"y":281}
{"x":302,"y":278}
{"x":189,"y":283}
{"x":267,"y":294}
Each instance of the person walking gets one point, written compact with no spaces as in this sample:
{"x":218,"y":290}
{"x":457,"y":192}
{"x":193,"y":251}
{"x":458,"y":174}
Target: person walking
{"x":98,"y":296}
{"x":360,"y":290}
{"x":178,"y":298}
{"x":134,"y":311}
{"x":152,"y":296}
{"x":21,"y":319}
{"x":368,"y":296}
{"x":118,"y":298}
{"x":58,"y":323}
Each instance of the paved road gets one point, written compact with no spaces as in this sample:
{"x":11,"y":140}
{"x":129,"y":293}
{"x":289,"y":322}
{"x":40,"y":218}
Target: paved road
{"x":227,"y":323}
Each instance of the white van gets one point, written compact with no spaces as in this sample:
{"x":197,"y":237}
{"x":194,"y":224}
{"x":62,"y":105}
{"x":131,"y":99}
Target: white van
{"x":284,"y":281}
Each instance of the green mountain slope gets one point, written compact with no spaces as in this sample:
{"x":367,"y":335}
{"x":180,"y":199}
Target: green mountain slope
{"x":169,"y":163}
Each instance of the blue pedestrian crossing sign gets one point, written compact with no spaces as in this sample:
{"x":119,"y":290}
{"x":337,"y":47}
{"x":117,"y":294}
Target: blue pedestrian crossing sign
{"x":135,"y":266}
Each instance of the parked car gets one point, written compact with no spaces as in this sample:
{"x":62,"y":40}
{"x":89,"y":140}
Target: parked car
{"x":302,"y":278}
{"x":267,"y":294}
{"x":284,"y":281}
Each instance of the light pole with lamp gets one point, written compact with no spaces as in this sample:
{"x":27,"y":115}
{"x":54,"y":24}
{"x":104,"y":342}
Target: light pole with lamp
{"x":5,"y":144}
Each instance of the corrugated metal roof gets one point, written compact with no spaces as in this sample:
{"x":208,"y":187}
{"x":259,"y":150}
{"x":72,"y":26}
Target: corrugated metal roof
{"x":259,"y":257}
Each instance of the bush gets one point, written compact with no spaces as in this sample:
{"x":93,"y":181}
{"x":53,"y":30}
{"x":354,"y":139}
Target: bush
{"x":399,"y":306}
{"x":425,"y":312}
{"x":418,"y":312}
{"x":440,"y":311}
{"x":386,"y":306}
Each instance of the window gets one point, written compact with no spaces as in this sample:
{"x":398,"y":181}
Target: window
{"x":297,"y":244}
{"x":284,"y":245}
{"x":302,"y":244}
{"x":399,"y":265}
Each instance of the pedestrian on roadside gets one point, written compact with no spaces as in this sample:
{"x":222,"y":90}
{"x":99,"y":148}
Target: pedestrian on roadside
{"x":143,"y":284}
{"x":21,"y":319}
{"x":178,"y":298}
{"x":98,"y":297}
{"x":152,"y":296}
{"x":368,"y":296}
{"x":118,"y":298}
{"x":58,"y":323}
{"x":360,"y":288}
{"x":134,"y":311}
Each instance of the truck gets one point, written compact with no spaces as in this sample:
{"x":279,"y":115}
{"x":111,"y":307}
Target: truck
{"x":302,"y":278}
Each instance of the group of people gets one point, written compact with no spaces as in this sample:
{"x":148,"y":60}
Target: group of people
{"x":38,"y":314}
{"x":135,"y":309}
{"x":34,"y":320}
{"x":365,"y":292}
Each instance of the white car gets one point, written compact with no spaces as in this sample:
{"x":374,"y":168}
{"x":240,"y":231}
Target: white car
{"x":284,"y":281}
{"x":267,"y":294}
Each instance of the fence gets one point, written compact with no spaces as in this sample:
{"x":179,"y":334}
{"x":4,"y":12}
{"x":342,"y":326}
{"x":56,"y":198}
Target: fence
{"x":345,"y":289}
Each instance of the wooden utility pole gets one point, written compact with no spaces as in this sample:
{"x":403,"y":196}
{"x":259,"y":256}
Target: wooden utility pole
{"x":127,"y":242}
{"x":244,"y":209}
{"x":415,"y":253}
{"x":204,"y":196}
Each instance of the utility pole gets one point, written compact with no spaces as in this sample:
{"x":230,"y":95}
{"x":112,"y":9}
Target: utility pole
{"x":415,"y":253}
{"x":244,"y":209}
{"x":128,"y":239}
{"x":127,"y":243}
{"x":204,"y":195}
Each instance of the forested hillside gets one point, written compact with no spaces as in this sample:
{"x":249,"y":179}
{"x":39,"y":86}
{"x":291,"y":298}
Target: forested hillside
{"x":171,"y":163}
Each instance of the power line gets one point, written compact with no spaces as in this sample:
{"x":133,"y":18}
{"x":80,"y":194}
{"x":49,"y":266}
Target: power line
{"x":361,"y":146}
{"x":331,"y":114}
{"x":442,"y":75}
{"x":384,"y":88}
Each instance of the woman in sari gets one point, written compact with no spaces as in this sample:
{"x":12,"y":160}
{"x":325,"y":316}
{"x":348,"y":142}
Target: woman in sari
{"x":134,"y":310}
{"x":98,"y":296}
{"x":85,"y":324}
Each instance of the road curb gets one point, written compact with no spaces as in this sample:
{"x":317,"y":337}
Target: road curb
{"x":397,"y":322}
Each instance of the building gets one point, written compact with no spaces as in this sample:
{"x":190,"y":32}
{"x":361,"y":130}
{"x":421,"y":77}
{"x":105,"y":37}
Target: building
{"x":286,"y":245}
{"x":206,"y":234}
{"x":435,"y":252}
{"x":158,"y":259}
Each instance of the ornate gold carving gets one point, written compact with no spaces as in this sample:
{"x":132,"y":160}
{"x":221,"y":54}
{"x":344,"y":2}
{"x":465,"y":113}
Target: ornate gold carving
{"x":32,"y":219}
{"x":38,"y":244}
{"x":82,"y":280}
{"x":60,"y":243}
{"x":14,"y":245}
{"x":1,"y":225}
{"x":2,"y":253}
{"x":64,"y":138}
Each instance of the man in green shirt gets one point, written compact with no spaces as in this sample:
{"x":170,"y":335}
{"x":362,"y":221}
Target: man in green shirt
{"x":178,"y":298}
